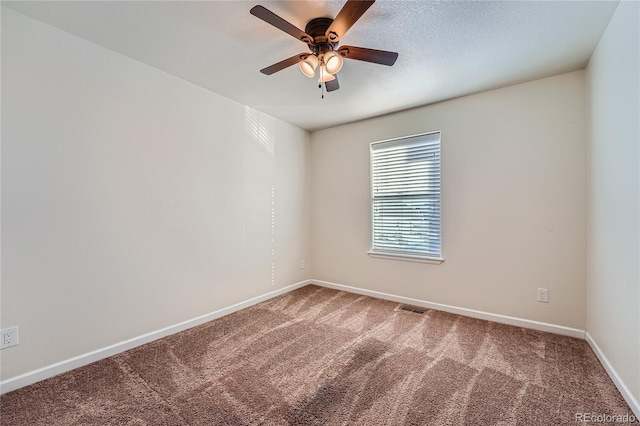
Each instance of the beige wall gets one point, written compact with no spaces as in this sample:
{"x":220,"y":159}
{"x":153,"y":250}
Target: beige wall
{"x":132,"y":200}
{"x":613,"y":279}
{"x":513,"y":202}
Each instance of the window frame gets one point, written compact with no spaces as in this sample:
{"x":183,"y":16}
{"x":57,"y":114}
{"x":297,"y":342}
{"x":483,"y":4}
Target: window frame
{"x":410,"y":257}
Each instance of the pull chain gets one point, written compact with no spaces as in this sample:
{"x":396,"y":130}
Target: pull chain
{"x":320,"y":85}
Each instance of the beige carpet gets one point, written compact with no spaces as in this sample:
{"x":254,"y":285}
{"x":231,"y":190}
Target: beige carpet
{"x":318,"y":356}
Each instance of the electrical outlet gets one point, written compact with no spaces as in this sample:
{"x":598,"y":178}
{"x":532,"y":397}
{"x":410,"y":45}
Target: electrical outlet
{"x":543,"y":295}
{"x":9,"y":337}
{"x":302,"y":264}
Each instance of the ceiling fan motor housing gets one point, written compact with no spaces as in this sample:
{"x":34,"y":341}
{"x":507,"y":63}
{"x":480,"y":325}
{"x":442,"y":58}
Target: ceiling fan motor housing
{"x":317,"y":29}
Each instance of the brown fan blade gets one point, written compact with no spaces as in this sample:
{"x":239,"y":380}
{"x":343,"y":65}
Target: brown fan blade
{"x":369,"y":55}
{"x":271,"y":18}
{"x":284,"y":64}
{"x":332,"y":85}
{"x":350,"y":13}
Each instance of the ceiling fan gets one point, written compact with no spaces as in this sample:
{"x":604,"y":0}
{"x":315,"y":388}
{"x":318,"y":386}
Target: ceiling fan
{"x":322,"y":36}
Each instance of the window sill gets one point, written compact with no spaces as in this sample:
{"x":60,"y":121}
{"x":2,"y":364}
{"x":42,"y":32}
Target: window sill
{"x":407,"y":257}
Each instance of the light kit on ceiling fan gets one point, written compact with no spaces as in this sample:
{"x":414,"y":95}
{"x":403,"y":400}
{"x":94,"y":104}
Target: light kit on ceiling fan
{"x":333,"y":62}
{"x":308,"y":65}
{"x":325,"y":76}
{"x":322,"y":36}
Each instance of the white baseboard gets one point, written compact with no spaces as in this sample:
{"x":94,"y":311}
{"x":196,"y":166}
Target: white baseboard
{"x":519,"y":322}
{"x":81,"y":360}
{"x":622,"y":387}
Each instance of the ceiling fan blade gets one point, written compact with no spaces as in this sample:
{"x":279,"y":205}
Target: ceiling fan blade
{"x":369,"y":55}
{"x":332,"y":85}
{"x":273,"y":19}
{"x":284,"y":64}
{"x":348,"y":15}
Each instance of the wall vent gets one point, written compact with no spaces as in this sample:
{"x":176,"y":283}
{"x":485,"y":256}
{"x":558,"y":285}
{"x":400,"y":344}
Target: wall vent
{"x":414,"y":309}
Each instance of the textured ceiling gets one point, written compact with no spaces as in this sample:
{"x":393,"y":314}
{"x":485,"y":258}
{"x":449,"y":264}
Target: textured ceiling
{"x":446,"y":48}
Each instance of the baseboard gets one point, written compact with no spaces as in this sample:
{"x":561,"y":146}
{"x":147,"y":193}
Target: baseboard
{"x":617,"y":380}
{"x":519,"y":322}
{"x":32,"y":377}
{"x":81,"y":360}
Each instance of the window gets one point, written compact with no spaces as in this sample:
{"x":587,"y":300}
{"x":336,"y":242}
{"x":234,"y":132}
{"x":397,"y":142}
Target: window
{"x":405,"y":198}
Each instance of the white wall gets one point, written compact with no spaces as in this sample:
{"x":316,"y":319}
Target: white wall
{"x":513,"y":203}
{"x":133,"y":200}
{"x":613,"y":278}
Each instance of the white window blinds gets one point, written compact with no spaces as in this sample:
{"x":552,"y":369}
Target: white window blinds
{"x":405,"y":191}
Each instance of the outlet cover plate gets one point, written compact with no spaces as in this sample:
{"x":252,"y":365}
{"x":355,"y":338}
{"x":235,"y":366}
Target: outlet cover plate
{"x":9,"y":337}
{"x":543,"y":295}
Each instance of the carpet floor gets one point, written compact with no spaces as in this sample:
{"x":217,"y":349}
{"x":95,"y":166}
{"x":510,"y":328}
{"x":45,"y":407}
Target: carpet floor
{"x":317,"y":356}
